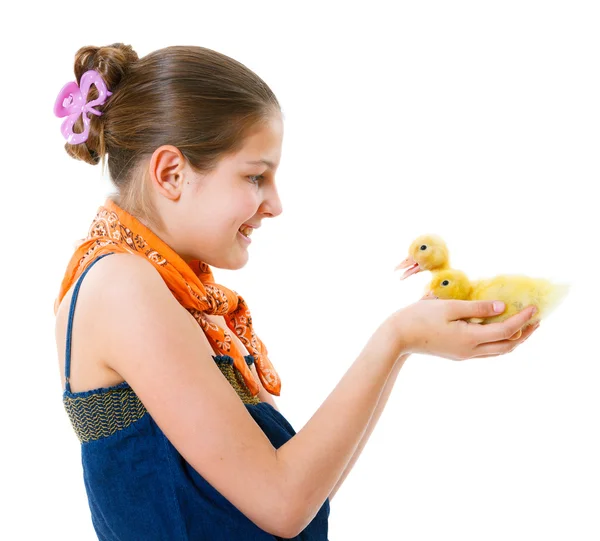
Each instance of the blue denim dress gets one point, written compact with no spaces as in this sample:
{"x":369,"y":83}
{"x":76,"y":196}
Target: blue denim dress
{"x":139,"y":487}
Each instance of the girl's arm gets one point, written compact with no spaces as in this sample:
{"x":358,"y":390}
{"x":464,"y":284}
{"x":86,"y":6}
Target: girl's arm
{"x":265,"y":396}
{"x":174,"y":375}
{"x":389,"y":385}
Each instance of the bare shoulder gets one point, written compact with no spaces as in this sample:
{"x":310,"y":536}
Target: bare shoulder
{"x":120,"y":286}
{"x":118,"y":272}
{"x":108,"y":277}
{"x":131,"y":298}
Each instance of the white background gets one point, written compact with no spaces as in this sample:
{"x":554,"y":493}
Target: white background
{"x":479,"y":121}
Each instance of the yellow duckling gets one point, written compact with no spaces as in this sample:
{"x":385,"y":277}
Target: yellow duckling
{"x":427,"y":252}
{"x":516,"y":291}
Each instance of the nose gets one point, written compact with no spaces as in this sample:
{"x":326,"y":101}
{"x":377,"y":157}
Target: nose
{"x":272,"y":204}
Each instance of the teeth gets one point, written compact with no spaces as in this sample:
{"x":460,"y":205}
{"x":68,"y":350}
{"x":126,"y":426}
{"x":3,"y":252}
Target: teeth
{"x":246,"y":230}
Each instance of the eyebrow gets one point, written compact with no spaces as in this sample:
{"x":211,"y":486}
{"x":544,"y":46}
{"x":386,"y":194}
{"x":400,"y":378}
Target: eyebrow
{"x":265,"y":162}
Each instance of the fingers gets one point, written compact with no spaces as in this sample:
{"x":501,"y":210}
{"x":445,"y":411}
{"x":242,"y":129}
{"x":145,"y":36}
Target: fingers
{"x":480,"y":309}
{"x":494,"y":349}
{"x":516,"y":335}
{"x":504,"y":330}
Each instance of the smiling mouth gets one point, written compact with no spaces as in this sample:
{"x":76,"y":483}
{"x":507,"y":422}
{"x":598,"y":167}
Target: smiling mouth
{"x":247,"y":239}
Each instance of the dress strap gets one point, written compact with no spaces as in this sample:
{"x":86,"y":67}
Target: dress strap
{"x":70,"y":322}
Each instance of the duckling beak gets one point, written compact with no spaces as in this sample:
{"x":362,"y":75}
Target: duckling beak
{"x":410,"y":264}
{"x":429,"y":295}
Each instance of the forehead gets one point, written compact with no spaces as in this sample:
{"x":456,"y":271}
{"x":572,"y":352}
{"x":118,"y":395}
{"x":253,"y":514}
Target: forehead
{"x":263,"y":145}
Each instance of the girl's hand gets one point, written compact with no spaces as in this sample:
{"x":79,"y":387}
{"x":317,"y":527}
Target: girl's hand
{"x":436,"y":328}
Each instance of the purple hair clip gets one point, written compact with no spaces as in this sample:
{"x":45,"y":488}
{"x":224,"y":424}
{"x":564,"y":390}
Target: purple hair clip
{"x":71,"y":102}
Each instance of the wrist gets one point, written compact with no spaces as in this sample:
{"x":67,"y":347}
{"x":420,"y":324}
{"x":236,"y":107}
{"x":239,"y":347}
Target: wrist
{"x":399,"y":336}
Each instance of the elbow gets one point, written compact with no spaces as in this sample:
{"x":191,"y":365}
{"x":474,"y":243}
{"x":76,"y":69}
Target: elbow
{"x":288,"y":529}
{"x":293,"y":510}
{"x":284,"y":524}
{"x":293,"y":520}
{"x":276,"y":520}
{"x":288,"y":516}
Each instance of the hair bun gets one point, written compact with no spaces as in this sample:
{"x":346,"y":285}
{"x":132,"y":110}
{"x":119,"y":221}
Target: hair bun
{"x":112,"y":62}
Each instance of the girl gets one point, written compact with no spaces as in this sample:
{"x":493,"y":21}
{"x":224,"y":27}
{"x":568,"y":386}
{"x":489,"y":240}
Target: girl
{"x":167,"y":386}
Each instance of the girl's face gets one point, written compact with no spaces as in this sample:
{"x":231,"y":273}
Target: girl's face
{"x":201,"y":215}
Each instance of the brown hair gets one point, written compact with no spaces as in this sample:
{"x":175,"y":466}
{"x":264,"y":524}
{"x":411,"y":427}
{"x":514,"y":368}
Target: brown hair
{"x":196,"y":99}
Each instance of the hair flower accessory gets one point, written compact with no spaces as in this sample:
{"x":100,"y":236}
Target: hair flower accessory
{"x":71,"y":102}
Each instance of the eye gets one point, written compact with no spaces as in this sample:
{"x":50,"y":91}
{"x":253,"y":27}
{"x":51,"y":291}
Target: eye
{"x":261,"y":177}
{"x":445,"y":283}
{"x":423,"y":247}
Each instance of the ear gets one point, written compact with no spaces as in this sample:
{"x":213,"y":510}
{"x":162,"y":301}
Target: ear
{"x":166,"y":171}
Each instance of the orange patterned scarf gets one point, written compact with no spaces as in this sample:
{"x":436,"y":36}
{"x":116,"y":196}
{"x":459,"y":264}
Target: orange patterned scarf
{"x":115,"y":230}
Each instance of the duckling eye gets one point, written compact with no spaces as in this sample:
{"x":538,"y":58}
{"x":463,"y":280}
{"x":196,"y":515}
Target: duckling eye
{"x":423,"y":247}
{"x":445,"y":283}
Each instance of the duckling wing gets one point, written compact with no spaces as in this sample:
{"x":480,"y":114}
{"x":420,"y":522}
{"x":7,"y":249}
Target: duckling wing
{"x":519,"y":292}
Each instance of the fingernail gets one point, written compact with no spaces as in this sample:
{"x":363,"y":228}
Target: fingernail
{"x":498,"y":306}
{"x":534,"y":311}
